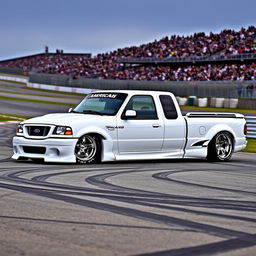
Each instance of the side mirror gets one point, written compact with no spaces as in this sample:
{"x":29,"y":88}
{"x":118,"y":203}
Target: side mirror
{"x":70,"y":110}
{"x":129,"y":114}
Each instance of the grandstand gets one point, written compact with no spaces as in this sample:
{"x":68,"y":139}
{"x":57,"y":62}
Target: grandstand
{"x":228,"y":55}
{"x":41,"y":61}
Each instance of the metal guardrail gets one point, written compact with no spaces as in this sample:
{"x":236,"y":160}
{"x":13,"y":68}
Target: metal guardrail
{"x":251,"y":124}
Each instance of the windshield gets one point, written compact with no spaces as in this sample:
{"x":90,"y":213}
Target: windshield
{"x":101,"y":103}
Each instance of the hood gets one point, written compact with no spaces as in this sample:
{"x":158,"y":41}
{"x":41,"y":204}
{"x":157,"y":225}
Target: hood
{"x":64,"y":119}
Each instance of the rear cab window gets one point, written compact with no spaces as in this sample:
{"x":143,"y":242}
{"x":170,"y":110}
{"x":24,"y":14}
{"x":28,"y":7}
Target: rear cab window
{"x":168,"y":106}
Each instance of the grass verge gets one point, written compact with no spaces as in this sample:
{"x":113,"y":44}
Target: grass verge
{"x":44,"y":95}
{"x":251,"y":146}
{"x":52,"y":91}
{"x":38,"y":101}
{"x":188,"y":108}
{"x":6,"y":117}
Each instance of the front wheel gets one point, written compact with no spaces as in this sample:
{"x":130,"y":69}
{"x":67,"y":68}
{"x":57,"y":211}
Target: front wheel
{"x":88,"y":149}
{"x":221,"y":147}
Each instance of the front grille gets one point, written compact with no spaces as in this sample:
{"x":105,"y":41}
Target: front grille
{"x":34,"y":150}
{"x":38,"y":130}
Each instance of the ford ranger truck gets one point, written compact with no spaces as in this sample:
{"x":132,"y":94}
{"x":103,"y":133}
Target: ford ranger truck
{"x":129,"y":125}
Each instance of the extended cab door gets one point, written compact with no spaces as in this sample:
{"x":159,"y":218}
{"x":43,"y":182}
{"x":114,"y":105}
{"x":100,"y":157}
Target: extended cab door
{"x":175,"y":127}
{"x":144,"y":132}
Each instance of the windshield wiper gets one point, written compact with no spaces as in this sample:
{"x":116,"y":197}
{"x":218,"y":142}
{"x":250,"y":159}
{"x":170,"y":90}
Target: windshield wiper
{"x":93,"y":112}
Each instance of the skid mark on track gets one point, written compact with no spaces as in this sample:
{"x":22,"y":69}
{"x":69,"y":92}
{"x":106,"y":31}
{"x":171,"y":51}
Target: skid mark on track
{"x":100,"y":193}
{"x":206,"y":249}
{"x":165,"y":176}
{"x":168,"y":220}
{"x":118,"y":194}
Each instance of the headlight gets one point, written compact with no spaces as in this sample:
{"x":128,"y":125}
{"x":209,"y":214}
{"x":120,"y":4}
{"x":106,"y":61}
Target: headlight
{"x":63,"y":130}
{"x":19,"y":128}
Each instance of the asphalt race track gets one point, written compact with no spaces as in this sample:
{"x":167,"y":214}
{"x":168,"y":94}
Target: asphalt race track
{"x":174,"y":208}
{"x":177,"y":207}
{"x":26,"y":108}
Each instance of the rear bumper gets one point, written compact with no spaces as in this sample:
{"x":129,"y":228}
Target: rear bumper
{"x":56,"y":150}
{"x":241,"y":143}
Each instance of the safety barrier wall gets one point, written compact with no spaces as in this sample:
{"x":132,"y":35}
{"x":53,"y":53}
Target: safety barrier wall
{"x":225,"y":89}
{"x":217,"y":102}
{"x":13,"y":78}
{"x":7,"y":70}
{"x":251,"y":124}
{"x":60,"y":88}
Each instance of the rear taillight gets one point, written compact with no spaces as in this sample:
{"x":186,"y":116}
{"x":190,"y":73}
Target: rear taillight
{"x":245,"y":129}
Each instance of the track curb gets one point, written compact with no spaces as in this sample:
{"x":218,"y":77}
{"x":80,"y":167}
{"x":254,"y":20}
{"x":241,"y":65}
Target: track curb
{"x":9,"y":122}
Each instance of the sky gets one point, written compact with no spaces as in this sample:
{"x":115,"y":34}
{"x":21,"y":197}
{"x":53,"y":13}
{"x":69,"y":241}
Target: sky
{"x":98,"y":26}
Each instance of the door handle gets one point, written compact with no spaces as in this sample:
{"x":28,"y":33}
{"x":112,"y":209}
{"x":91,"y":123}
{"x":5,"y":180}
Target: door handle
{"x":156,"y":125}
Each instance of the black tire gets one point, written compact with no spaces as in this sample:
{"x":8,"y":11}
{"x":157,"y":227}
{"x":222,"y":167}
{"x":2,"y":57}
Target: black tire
{"x":220,"y":147}
{"x":88,"y":149}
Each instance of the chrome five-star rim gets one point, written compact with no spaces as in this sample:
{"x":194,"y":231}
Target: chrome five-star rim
{"x":85,"y":148}
{"x":223,"y":146}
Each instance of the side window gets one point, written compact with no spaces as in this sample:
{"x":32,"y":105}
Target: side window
{"x":168,"y":107}
{"x":144,"y":106}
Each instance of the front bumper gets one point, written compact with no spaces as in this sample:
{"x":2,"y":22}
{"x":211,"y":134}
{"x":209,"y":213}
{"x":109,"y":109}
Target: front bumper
{"x":55,"y":149}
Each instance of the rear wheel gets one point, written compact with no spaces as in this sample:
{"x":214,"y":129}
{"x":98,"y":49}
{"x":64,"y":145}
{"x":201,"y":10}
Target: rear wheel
{"x":221,"y":147}
{"x":88,"y":149}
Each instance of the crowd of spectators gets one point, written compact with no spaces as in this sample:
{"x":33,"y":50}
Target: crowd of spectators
{"x":85,"y":67}
{"x":106,"y":66}
{"x":209,"y":72}
{"x":199,"y":44}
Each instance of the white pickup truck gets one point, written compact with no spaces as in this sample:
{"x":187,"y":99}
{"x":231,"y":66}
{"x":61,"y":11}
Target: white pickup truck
{"x":129,"y":125}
